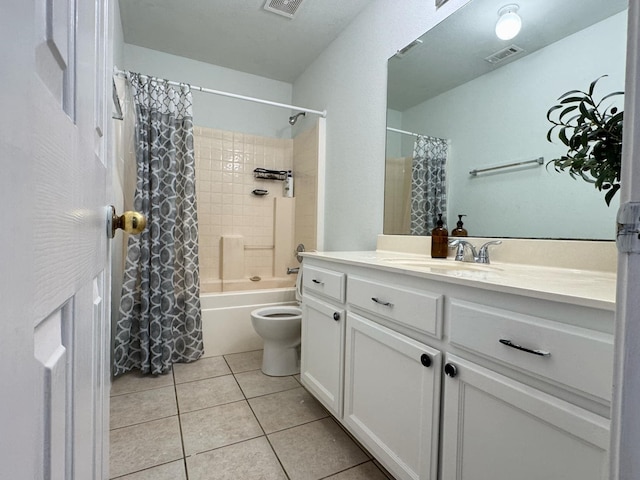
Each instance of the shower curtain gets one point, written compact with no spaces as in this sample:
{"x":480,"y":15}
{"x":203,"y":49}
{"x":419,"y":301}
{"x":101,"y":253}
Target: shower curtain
{"x":428,"y":184}
{"x":160,"y":317}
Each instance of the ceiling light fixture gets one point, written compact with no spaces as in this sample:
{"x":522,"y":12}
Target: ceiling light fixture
{"x":509,"y":23}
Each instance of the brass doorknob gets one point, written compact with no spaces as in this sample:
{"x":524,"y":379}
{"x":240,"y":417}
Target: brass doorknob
{"x":131,"y":222}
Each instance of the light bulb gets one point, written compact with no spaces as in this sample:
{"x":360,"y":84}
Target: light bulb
{"x":509,"y":23}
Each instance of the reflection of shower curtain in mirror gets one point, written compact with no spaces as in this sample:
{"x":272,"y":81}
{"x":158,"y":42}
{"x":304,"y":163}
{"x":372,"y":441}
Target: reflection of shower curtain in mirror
{"x":428,"y":183}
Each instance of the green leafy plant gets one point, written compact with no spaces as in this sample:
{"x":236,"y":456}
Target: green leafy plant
{"x":593,"y":134}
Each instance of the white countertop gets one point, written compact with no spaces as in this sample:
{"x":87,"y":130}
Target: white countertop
{"x":587,"y":288}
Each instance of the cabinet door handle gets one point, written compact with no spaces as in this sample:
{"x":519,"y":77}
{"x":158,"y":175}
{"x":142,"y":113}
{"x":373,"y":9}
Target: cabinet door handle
{"x":450,"y":370}
{"x":336,"y":316}
{"x":425,"y":360}
{"x":380,"y":302}
{"x":509,"y":343}
{"x":317,"y":282}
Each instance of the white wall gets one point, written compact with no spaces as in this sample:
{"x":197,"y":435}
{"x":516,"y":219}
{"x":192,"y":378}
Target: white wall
{"x":215,"y":111}
{"x":349,"y":79}
{"x":485,"y":130}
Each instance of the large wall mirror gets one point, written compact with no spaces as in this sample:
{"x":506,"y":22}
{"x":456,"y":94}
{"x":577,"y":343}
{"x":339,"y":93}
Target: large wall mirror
{"x":494,"y":113}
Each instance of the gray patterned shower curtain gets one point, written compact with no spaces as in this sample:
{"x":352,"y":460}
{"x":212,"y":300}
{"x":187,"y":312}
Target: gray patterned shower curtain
{"x":428,"y":183}
{"x":160,"y":322}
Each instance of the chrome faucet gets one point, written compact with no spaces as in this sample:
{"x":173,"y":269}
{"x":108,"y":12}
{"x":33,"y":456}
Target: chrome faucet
{"x":461,"y":245}
{"x":480,"y":256}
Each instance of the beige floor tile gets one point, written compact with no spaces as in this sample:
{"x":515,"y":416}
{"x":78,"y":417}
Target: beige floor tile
{"x":136,"y":382}
{"x":316,"y":450}
{"x":366,"y":471}
{"x":250,"y":460}
{"x":200,"y":369}
{"x":140,"y":407}
{"x":218,"y":426}
{"x":168,"y":471}
{"x":287,"y":409}
{"x":208,"y":393}
{"x":143,"y":446}
{"x":243,"y":362}
{"x":256,"y":383}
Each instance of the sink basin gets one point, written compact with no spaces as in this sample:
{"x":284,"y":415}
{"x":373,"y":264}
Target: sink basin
{"x":443,"y":265}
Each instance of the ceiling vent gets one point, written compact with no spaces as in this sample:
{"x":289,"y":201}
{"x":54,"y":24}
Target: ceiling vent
{"x":504,"y":54}
{"x":402,"y":52}
{"x":286,"y":8}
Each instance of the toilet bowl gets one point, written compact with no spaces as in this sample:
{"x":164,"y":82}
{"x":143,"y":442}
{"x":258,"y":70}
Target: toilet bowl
{"x":280,"y":327}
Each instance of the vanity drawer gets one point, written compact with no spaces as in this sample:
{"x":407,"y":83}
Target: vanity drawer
{"x":417,"y":309}
{"x":328,"y":283}
{"x":576,"y":357}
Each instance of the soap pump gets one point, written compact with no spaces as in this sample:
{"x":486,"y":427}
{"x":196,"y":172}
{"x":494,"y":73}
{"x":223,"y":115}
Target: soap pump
{"x":459,"y":231}
{"x":439,"y":240}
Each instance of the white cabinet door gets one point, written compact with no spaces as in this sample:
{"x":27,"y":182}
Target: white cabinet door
{"x":322,"y":352}
{"x":497,"y":428}
{"x":392,"y":397}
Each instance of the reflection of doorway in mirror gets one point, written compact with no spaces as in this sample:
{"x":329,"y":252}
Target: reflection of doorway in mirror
{"x":397,"y":196}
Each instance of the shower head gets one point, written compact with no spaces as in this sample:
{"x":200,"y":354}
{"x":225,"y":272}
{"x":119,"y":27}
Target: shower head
{"x":294,"y":118}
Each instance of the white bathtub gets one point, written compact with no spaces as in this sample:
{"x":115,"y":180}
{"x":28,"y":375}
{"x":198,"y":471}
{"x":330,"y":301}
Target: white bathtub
{"x":226,"y":318}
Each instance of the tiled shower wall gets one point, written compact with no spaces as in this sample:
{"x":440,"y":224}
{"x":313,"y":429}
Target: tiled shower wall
{"x":224,"y":180}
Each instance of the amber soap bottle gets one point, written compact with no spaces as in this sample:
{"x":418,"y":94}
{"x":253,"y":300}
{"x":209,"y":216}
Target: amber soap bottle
{"x":439,"y":240}
{"x":459,"y":231}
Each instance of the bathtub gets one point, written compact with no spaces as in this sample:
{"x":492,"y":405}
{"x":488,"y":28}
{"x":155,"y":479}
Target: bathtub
{"x":226,"y":318}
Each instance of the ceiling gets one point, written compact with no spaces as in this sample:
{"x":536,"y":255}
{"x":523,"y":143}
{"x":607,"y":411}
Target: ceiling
{"x":239,"y":34}
{"x":453,"y":52}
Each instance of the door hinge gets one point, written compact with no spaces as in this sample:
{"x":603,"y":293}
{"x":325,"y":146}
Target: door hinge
{"x":628,"y":234}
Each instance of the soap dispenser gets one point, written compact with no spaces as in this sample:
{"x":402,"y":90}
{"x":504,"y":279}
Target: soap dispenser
{"x":439,"y":240}
{"x":459,"y":231}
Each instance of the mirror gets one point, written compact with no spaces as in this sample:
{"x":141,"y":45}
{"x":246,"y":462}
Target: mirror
{"x":494,"y":114}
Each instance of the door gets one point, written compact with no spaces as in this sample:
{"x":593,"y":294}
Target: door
{"x":322,"y":352}
{"x":392,"y":398}
{"x":625,"y":422}
{"x":497,"y":428}
{"x":53,"y":245}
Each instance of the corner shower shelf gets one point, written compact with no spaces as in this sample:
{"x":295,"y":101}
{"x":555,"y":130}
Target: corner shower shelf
{"x":270,"y":174}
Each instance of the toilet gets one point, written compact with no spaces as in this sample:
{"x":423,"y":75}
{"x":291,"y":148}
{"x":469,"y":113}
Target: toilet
{"x":280,"y":328}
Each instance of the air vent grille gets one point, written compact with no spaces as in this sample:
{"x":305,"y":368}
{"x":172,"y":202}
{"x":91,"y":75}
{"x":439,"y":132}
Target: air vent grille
{"x":502,"y":55}
{"x":403,"y":51}
{"x":286,"y":8}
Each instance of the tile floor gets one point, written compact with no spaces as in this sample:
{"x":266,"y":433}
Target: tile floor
{"x":222,"y":418}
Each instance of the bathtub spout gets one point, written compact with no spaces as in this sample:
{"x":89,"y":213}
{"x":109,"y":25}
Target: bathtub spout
{"x":292,"y":271}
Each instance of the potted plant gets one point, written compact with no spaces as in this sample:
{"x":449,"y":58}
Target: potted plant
{"x":593,"y":134}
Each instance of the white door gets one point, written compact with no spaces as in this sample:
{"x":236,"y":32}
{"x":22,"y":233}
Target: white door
{"x":392,"y":398}
{"x":53,"y":245}
{"x":496,"y":428}
{"x":625,"y":421}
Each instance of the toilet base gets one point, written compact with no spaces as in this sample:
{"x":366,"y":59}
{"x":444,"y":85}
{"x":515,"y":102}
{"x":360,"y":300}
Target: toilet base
{"x":279,"y":361}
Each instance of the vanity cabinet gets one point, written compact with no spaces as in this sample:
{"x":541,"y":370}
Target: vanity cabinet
{"x":392,"y":397}
{"x":495,"y":427}
{"x":441,"y":379}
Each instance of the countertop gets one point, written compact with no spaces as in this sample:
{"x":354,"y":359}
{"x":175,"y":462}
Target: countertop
{"x":587,"y":288}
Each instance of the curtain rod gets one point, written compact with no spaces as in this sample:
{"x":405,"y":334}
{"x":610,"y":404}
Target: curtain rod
{"x":405,"y":132}
{"x":322,"y":113}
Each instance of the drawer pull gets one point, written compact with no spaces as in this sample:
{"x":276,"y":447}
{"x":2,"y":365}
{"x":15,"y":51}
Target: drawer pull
{"x":317,"y":282}
{"x":380,"y":302}
{"x":509,"y":343}
{"x":336,"y":316}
